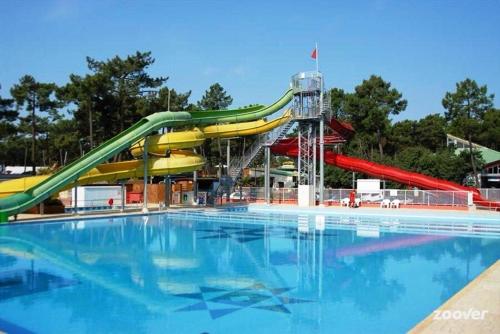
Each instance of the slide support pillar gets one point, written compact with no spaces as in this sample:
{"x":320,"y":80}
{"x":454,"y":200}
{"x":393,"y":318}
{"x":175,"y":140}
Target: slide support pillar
{"x":122,"y":194}
{"x":145,"y":162}
{"x":228,"y":156}
{"x":321,"y":160}
{"x":314,"y":164}
{"x":167,"y":191}
{"x":267,"y":181}
{"x":75,"y":204}
{"x":195,"y":187}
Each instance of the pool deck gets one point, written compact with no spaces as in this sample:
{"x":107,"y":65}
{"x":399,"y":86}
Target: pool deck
{"x":284,"y":208}
{"x":40,"y":218}
{"x":482,"y":295}
{"x":371,"y":211}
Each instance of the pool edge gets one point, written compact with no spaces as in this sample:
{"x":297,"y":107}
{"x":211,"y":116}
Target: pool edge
{"x":479,"y":294}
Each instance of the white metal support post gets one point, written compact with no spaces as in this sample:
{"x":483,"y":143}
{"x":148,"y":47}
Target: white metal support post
{"x":321,"y":160}
{"x":122,"y":195}
{"x":145,"y":162}
{"x":167,"y":191}
{"x":314,"y":168}
{"x":195,"y":188}
{"x":267,"y":181}
{"x":195,"y":185}
{"x":76,"y":199}
{"x":228,"y":156}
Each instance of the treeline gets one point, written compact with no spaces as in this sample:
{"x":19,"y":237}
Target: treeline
{"x":45,"y":124}
{"x":416,"y":145}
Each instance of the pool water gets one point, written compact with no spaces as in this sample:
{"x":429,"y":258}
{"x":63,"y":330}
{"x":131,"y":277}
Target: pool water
{"x":220,"y":272}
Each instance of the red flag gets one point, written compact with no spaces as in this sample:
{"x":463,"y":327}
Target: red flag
{"x":313,"y":54}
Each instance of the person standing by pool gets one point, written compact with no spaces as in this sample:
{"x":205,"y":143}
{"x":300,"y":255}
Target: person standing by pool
{"x":352,"y":199}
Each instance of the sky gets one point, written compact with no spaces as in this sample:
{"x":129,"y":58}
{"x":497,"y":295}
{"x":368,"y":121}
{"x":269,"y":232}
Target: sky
{"x":252,"y":48}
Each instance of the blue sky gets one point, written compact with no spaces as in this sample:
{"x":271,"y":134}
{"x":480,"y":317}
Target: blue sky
{"x":253,"y":47}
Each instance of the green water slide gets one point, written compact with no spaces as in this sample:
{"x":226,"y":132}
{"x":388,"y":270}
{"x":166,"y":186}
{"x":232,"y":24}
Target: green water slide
{"x":20,"y":202}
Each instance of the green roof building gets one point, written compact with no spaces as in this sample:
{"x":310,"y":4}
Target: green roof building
{"x":490,"y":174}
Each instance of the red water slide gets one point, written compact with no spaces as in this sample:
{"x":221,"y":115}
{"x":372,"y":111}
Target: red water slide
{"x":289,"y":148}
{"x":342,"y":128}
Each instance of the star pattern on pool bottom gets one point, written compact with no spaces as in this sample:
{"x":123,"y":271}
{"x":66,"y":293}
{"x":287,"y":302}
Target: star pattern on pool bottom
{"x":247,"y":234}
{"x":220,"y":302}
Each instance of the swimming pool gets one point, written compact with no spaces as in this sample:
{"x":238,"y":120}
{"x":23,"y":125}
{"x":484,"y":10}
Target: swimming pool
{"x":227,"y":272}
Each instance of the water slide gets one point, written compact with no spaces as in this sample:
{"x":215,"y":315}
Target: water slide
{"x":289,"y":147}
{"x":179,"y":160}
{"x":159,"y":144}
{"x":69,"y":174}
{"x":343,"y":128}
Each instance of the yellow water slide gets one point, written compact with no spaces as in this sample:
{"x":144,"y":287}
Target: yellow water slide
{"x":159,"y":144}
{"x":179,"y":160}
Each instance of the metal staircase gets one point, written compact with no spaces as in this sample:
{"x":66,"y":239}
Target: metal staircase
{"x":326,"y":109}
{"x":250,"y":154}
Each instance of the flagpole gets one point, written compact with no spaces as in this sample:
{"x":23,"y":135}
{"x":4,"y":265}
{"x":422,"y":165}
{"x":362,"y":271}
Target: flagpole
{"x":317,"y":58}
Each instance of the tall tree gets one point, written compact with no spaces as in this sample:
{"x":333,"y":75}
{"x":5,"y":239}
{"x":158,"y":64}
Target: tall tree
{"x":7,"y":128}
{"x":215,"y":98}
{"x":116,"y":93}
{"x":403,"y":135}
{"x":170,"y":99}
{"x":83,"y":92}
{"x":430,"y":132}
{"x":465,"y":109}
{"x":370,"y":106}
{"x":128,"y":81}
{"x":32,"y":96}
{"x":7,"y":115}
{"x":337,"y":103}
{"x":490,"y":129}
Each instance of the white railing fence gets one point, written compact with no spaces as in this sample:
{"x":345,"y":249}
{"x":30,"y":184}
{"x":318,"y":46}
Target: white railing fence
{"x":335,"y":196}
{"x":490,"y":194}
{"x":97,"y":205}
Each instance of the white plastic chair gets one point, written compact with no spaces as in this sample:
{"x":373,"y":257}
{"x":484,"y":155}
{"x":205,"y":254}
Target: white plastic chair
{"x":395,"y":204}
{"x":344,"y":202}
{"x":385,"y":203}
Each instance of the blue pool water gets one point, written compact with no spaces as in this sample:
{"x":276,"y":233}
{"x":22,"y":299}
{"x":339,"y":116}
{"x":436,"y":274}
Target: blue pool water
{"x":235,"y":272}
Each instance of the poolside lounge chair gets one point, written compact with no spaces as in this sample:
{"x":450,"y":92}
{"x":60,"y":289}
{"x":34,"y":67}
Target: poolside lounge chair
{"x":344,"y":202}
{"x":386,"y":203}
{"x":395,"y":204}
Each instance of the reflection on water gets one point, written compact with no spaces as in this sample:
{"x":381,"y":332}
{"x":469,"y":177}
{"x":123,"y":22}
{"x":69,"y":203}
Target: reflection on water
{"x":142,"y":271}
{"x":22,"y":282}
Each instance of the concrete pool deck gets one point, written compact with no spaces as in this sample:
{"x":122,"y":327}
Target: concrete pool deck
{"x":474,"y":309}
{"x":385,"y":212}
{"x":282,"y":208}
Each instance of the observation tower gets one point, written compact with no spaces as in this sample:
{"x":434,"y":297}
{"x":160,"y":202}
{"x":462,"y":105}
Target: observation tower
{"x":309,"y":108}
